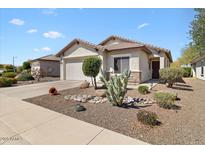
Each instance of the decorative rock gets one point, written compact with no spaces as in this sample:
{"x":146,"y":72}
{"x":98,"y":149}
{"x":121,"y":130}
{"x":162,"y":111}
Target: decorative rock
{"x":100,"y":93}
{"x":104,"y":100}
{"x":84,"y":85}
{"x":67,"y":97}
{"x":79,"y":108}
{"x":83,"y":100}
{"x":91,"y":101}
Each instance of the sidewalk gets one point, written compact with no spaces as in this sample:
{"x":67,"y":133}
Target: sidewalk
{"x":26,"y":123}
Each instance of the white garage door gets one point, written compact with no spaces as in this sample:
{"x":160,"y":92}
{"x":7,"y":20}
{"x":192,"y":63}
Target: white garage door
{"x":74,"y":70}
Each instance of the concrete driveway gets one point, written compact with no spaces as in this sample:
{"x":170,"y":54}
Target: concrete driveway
{"x":26,"y":123}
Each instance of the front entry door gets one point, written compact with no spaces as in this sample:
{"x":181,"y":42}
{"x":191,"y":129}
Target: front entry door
{"x":155,"y":69}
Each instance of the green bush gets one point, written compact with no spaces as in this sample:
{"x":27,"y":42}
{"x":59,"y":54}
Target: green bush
{"x":147,"y":117}
{"x":143,"y":89}
{"x":171,"y":75}
{"x":24,"y":76}
{"x":165,"y":99}
{"x":91,"y":67}
{"x":9,"y":74}
{"x":26,"y":65}
{"x":9,"y":68}
{"x":19,"y":69}
{"x":5,"y":82}
{"x":13,"y":80}
{"x":187,"y":71}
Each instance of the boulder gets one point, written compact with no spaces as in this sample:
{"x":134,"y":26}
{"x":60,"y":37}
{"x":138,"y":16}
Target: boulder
{"x":79,"y":108}
{"x":100,"y":93}
{"x":84,"y":85}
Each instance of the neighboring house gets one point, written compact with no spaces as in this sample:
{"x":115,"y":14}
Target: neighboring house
{"x":198,"y":67}
{"x":48,"y":65}
{"x":118,"y":54}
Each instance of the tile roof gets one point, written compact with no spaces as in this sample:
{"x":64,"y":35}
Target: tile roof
{"x":128,"y":43}
{"x":198,"y":59}
{"x":142,"y":43}
{"x":48,"y":57}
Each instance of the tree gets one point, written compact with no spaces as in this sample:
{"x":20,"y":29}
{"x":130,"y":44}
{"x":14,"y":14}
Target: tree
{"x":91,"y":68}
{"x":26,"y":65}
{"x":197,"y":31}
{"x":188,"y":54}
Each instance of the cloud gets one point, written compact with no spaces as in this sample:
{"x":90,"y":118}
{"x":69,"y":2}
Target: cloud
{"x":35,"y":49}
{"x":42,"y":49}
{"x":46,"y":49}
{"x":32,"y":31}
{"x":52,"y":34}
{"x":50,"y":12}
{"x":17,"y":22}
{"x":143,"y":25}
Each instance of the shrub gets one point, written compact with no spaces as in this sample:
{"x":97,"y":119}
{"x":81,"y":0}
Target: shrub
{"x":116,"y":88}
{"x":19,"y":69}
{"x":53,"y":91}
{"x":165,"y":99}
{"x":13,"y":80}
{"x":24,"y":76}
{"x":91,"y":68}
{"x":9,"y":68}
{"x":186,"y":71}
{"x":143,"y":89}
{"x":5,"y":82}
{"x":171,"y":75}
{"x":26,"y":65}
{"x":147,"y":117}
{"x":9,"y":74}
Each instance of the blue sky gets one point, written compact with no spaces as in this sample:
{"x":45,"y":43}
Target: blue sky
{"x":31,"y":33}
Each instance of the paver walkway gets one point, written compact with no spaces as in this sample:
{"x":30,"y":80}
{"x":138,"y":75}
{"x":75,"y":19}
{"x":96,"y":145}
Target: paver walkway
{"x":26,"y":123}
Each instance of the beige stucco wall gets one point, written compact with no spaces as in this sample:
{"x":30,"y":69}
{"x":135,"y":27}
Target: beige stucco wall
{"x":197,"y":70}
{"x":134,"y":55}
{"x":35,"y":64}
{"x":50,"y":68}
{"x":79,"y":51}
{"x":139,"y":61}
{"x":75,"y":56}
{"x":144,"y":66}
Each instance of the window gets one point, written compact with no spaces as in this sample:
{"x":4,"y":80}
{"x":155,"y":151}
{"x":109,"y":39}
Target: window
{"x":202,"y":70}
{"x":121,"y":64}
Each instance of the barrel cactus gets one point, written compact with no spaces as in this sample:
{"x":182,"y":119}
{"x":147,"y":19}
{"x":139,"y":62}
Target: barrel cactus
{"x":116,"y":88}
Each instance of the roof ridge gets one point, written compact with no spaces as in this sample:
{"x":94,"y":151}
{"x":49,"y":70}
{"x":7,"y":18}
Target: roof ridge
{"x":90,"y":43}
{"x":140,"y":42}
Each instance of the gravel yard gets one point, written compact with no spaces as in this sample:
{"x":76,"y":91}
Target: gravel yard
{"x":183,"y":126}
{"x":45,"y":79}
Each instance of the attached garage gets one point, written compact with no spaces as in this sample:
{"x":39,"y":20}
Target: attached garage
{"x":74,"y":69}
{"x":72,"y":57}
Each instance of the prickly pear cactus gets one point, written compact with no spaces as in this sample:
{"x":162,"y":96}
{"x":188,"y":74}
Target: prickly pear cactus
{"x":116,"y":88}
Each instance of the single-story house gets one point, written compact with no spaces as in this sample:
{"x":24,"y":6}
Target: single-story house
{"x":198,"y":67}
{"x":49,"y":65}
{"x":118,"y":54}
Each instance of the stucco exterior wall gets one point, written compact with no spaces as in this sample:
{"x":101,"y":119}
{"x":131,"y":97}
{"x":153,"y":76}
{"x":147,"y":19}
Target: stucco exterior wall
{"x":139,"y":62}
{"x":133,"y":54}
{"x":79,"y":51}
{"x":50,"y":68}
{"x":144,"y":66}
{"x":197,"y":69}
{"x":35,"y":64}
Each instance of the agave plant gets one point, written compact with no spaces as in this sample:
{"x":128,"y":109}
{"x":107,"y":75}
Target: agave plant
{"x":116,"y":88}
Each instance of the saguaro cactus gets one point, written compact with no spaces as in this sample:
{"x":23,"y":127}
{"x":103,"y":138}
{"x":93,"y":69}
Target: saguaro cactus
{"x":116,"y":88}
